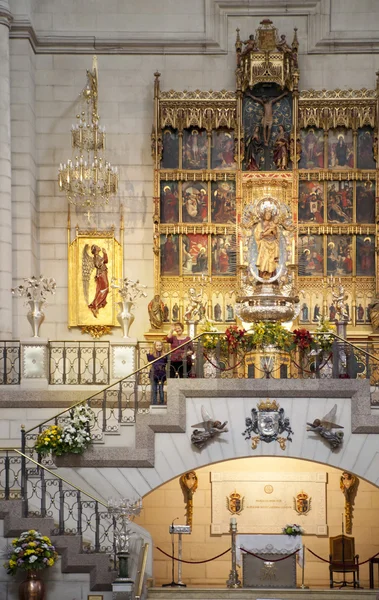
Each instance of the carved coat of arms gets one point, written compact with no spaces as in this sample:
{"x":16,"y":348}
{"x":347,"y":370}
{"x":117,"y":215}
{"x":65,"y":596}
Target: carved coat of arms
{"x":302,"y":503}
{"x":268,"y":422}
{"x":234,"y":503}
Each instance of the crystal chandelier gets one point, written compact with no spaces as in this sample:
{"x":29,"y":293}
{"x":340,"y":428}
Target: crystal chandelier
{"x":88,"y":179}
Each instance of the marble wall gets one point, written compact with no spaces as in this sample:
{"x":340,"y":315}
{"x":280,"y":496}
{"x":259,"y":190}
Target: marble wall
{"x":192,"y":45}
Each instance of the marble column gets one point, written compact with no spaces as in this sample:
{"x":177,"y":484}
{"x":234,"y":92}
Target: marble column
{"x":5,"y":177}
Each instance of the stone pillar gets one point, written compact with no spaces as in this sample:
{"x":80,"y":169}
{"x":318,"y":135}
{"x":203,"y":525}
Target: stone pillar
{"x":5,"y":177}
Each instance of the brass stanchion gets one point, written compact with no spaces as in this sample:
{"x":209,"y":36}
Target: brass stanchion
{"x":303,"y":586}
{"x":233,"y":581}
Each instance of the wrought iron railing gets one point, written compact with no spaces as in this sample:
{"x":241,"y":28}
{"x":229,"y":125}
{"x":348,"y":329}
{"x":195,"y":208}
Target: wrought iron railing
{"x":79,"y":363}
{"x":120,"y":403}
{"x":10,"y":371}
{"x":46,"y":494}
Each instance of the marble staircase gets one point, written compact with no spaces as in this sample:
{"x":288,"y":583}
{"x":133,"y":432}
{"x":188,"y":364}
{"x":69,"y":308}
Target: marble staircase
{"x":68,"y":546}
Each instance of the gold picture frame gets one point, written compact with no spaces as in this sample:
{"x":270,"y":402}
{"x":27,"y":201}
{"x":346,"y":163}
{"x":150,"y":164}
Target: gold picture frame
{"x":95,"y":597}
{"x":95,"y":257}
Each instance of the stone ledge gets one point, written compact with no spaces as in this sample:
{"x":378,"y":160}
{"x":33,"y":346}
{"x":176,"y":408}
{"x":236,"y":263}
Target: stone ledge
{"x":174,"y":419}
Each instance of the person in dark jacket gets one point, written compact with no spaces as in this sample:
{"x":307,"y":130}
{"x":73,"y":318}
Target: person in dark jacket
{"x":157,"y":372}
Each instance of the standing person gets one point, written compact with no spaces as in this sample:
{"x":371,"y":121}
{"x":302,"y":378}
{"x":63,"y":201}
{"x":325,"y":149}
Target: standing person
{"x":176,"y":338}
{"x":157,"y":372}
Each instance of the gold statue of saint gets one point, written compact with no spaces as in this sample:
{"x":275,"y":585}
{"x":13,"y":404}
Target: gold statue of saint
{"x":266,"y":235}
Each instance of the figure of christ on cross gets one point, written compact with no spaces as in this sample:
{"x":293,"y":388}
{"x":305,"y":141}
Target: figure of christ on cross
{"x":267,"y":118}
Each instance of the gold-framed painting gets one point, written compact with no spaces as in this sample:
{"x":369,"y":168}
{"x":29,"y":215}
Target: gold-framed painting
{"x":94,"y":259}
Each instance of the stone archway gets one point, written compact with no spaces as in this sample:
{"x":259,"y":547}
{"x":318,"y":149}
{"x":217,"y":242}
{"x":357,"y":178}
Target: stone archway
{"x":166,"y":503}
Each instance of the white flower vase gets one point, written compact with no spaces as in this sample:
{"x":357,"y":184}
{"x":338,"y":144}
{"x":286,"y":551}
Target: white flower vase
{"x":125,"y":317}
{"x":36,"y":316}
{"x":210,"y":364}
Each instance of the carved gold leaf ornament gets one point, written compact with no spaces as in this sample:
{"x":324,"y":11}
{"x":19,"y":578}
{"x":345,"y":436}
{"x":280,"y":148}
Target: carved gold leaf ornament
{"x":96,"y":331}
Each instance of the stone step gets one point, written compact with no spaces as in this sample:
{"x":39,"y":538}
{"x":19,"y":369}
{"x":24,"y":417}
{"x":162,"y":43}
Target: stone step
{"x":74,"y":560}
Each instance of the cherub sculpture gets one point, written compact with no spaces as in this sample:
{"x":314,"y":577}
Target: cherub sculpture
{"x":210,"y":428}
{"x":325,"y":426}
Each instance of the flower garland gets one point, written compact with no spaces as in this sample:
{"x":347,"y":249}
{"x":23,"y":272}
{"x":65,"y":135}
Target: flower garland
{"x":31,"y":551}
{"x":263,"y":334}
{"x":293,"y":530}
{"x":74,"y":436}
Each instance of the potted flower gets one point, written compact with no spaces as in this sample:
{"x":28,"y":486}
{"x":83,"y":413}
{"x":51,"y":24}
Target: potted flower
{"x":35,"y":291}
{"x":324,"y":334}
{"x":73,"y":436}
{"x":272,"y":335}
{"x":293,"y":530}
{"x":31,"y":552}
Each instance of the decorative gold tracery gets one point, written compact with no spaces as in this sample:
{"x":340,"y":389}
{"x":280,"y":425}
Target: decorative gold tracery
{"x":268,"y":59}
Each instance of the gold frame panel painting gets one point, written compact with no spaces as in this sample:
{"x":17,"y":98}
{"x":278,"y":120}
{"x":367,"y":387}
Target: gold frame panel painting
{"x":94,"y":259}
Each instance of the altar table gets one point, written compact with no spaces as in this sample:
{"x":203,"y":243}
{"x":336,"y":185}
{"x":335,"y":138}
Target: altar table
{"x":268,"y":574}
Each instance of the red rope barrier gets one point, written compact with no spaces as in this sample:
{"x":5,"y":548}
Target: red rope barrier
{"x":341,"y":564}
{"x":311,"y":372}
{"x":221,"y":368}
{"x":192,"y":562}
{"x":270,"y":559}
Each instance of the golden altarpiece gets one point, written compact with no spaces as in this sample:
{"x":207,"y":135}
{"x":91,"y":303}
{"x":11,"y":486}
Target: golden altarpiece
{"x":217,"y":153}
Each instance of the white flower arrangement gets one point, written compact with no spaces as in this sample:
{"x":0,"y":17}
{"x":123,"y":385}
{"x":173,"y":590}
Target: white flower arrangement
{"x":36,"y":289}
{"x":73,"y":436}
{"x":128,"y":289}
{"x":293,"y":530}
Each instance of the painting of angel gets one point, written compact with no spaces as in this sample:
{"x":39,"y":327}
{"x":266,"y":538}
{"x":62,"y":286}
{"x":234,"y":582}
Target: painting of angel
{"x":95,"y":261}
{"x":312,"y":148}
{"x":365,"y":255}
{"x":223,"y":255}
{"x":310,"y":256}
{"x":311,"y":202}
{"x":339,"y":255}
{"x":223,"y":207}
{"x":195,"y":149}
{"x":170,"y":152}
{"x":195,"y":202}
{"x":340,"y":148}
{"x":365,"y":149}
{"x":340,"y":201}
{"x":194,"y":254}
{"x":169,"y":202}
{"x":222,"y":151}
{"x":365,"y":202}
{"x":169,"y":254}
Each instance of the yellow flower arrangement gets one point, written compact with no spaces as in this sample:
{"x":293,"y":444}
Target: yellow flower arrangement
{"x":30,"y":552}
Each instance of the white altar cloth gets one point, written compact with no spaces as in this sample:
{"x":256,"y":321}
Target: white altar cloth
{"x":269,"y":544}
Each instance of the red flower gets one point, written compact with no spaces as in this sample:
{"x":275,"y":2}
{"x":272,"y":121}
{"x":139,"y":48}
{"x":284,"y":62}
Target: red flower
{"x":302,"y":339}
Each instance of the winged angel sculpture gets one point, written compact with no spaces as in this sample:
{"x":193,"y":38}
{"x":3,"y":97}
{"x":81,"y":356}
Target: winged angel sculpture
{"x":210,"y":429}
{"x":98,"y":260}
{"x":325,"y":426}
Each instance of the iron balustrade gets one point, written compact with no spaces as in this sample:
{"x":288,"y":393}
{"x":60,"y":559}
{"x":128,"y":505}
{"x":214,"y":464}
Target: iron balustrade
{"x":79,"y":363}
{"x":10,"y":371}
{"x":46,"y":494}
